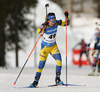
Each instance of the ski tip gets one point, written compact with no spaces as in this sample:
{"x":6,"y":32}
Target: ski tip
{"x":14,"y":83}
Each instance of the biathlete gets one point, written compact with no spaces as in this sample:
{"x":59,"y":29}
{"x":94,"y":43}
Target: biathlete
{"x":48,"y":45}
{"x":83,"y":51}
{"x":96,"y":52}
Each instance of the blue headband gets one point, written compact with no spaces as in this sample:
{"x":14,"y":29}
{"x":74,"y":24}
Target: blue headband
{"x":51,"y":17}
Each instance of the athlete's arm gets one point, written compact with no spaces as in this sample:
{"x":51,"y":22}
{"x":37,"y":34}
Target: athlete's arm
{"x":63,"y":23}
{"x":39,"y":30}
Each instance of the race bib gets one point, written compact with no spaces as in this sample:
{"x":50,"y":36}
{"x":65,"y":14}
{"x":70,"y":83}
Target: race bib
{"x":49,"y":38}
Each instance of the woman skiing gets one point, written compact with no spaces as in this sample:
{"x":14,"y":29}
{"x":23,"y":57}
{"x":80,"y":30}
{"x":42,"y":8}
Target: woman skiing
{"x":49,"y":45}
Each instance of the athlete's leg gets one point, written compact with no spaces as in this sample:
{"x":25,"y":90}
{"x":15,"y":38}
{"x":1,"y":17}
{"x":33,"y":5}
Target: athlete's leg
{"x":43,"y":56}
{"x":57,"y":56}
{"x":80,"y":59}
{"x":96,"y":57}
{"x":94,"y":64}
{"x":99,"y":63}
{"x":87,"y":57}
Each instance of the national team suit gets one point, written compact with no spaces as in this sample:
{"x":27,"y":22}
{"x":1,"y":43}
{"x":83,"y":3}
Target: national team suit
{"x":48,"y":45}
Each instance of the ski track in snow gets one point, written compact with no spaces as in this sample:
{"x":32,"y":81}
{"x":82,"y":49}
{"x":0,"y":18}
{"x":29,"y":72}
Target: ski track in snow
{"x":76,"y":76}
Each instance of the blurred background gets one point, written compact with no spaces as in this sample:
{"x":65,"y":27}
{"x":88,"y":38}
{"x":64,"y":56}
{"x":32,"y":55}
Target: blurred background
{"x":19,"y":20}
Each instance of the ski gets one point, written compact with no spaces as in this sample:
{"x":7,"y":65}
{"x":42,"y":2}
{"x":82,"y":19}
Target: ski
{"x":93,"y":74}
{"x":52,"y":86}
{"x":25,"y":87}
{"x":65,"y":85}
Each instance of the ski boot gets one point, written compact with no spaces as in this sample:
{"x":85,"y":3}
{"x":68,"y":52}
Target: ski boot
{"x":58,"y":80}
{"x":98,"y":73}
{"x":92,"y":73}
{"x":35,"y":83}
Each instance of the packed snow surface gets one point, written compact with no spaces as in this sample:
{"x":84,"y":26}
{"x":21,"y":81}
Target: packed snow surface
{"x":75,"y":75}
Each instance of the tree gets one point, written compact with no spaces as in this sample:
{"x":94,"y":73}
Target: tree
{"x":3,"y":15}
{"x":98,"y":7}
{"x":16,"y":24}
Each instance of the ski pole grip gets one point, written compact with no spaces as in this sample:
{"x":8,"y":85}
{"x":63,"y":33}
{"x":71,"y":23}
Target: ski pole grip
{"x":66,"y":14}
{"x":46,"y":5}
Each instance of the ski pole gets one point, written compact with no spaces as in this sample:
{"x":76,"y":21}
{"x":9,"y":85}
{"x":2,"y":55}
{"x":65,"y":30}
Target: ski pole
{"x":66,"y":48}
{"x":46,"y":5}
{"x":28,"y":57}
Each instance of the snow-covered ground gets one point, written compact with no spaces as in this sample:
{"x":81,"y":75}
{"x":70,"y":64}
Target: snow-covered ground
{"x":83,"y":27}
{"x":76,"y":76}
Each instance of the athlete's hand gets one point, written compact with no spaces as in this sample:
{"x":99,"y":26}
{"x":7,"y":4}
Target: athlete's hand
{"x":46,"y":23}
{"x":66,"y":13}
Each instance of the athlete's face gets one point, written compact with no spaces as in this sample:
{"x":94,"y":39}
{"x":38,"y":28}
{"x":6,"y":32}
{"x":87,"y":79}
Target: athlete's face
{"x":52,"y":22}
{"x":97,"y":29}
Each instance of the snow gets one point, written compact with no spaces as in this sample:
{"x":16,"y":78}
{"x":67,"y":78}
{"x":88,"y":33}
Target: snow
{"x":76,"y":76}
{"x":83,"y":27}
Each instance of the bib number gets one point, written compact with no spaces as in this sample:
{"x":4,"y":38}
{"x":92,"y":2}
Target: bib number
{"x":52,"y":36}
